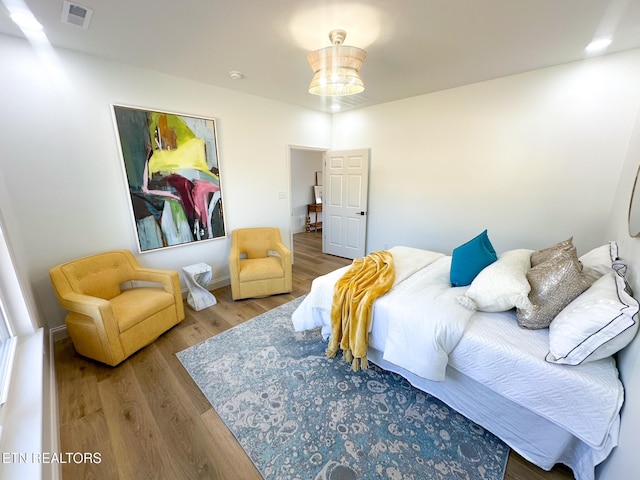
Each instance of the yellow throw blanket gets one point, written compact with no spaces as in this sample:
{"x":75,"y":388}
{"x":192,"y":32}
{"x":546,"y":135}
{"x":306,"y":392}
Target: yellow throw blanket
{"x":354,"y":293}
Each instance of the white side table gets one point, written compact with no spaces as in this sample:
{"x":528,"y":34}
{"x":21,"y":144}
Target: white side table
{"x":197,"y":277}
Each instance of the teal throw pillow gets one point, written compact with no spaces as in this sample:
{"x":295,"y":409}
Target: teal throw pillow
{"x":470,"y":258}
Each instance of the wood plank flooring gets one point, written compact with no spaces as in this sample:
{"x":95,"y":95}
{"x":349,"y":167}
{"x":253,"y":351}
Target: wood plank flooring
{"x":148,"y":420}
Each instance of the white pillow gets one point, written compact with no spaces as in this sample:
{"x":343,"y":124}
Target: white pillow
{"x":502,"y":285}
{"x":597,"y":262}
{"x":595,"y":325}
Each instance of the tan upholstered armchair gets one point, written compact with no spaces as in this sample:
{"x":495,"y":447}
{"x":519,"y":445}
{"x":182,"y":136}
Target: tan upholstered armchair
{"x":110,"y":315}
{"x":259,"y":263}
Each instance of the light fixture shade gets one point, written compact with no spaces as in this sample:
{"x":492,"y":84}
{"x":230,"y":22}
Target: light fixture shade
{"x":336,"y":70}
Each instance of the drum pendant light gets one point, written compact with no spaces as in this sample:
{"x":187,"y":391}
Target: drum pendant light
{"x":336,"y":68}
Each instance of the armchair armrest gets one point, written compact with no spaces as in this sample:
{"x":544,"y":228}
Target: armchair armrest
{"x":84,"y":304}
{"x":284,"y":253}
{"x":234,"y":260}
{"x":97,"y":309}
{"x":285,"y":256}
{"x":167,"y":278}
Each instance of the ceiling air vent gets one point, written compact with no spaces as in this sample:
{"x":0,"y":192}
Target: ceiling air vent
{"x":74,"y":14}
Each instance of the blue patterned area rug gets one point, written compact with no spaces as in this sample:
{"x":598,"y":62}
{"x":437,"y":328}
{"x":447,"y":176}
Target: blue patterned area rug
{"x":299,"y":415}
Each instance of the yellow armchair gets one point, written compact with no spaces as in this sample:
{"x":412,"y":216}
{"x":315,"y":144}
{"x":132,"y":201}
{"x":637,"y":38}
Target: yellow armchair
{"x":259,"y":263}
{"x":111,"y":317}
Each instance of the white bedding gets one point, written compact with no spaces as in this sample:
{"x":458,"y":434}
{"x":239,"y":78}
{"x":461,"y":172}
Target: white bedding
{"x":426,"y":318}
{"x":487,"y":349}
{"x":432,"y":321}
{"x":584,"y":399}
{"x":312,"y":312}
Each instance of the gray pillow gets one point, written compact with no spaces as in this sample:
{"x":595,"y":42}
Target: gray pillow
{"x":551,"y":252}
{"x":554,"y":284}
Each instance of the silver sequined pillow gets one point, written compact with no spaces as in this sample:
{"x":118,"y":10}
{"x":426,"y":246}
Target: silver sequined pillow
{"x":554,"y":284}
{"x":551,"y":252}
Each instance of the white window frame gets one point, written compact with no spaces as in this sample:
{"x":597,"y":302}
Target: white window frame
{"x":8,"y":337}
{"x":8,"y":342}
{"x":7,"y":356}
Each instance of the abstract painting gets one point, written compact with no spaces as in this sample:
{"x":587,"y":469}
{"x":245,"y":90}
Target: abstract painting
{"x":172,"y":169}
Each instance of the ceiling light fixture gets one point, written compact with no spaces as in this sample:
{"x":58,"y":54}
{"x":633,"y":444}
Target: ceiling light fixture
{"x":336,"y":68}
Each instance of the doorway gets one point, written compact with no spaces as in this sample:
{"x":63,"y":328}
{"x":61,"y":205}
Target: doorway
{"x":342,"y":201}
{"x":306,"y":172}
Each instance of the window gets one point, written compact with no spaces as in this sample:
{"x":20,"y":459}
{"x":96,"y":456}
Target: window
{"x":7,"y":349}
{"x":8,"y":337}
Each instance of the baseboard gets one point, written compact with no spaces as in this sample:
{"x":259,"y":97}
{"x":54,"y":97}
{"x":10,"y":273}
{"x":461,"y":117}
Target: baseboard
{"x":57,"y":333}
{"x":213,"y":285}
{"x":219,"y":283}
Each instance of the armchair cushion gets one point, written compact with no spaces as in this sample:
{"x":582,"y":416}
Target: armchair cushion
{"x":137,"y":304}
{"x":260,"y":269}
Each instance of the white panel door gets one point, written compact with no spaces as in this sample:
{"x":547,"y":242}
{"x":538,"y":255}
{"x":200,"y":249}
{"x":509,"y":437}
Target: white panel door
{"x":346,"y":175}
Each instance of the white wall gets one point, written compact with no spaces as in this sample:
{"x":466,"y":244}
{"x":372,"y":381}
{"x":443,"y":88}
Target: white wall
{"x":535,"y":157}
{"x":62,"y":168}
{"x":625,"y":460}
{"x":304,"y":165}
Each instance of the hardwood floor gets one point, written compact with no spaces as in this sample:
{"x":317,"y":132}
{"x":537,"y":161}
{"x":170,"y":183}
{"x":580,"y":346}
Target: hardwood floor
{"x":147,"y":419}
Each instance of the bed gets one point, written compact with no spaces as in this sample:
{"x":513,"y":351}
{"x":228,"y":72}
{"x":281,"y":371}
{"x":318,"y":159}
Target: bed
{"x":551,"y":405}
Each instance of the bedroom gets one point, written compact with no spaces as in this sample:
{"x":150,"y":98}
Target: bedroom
{"x":533,"y":157}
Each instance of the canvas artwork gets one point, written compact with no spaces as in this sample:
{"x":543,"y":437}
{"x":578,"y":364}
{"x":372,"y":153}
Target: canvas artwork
{"x":172,"y":169}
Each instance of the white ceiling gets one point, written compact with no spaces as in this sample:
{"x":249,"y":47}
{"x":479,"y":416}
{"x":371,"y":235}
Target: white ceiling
{"x":414,"y":46}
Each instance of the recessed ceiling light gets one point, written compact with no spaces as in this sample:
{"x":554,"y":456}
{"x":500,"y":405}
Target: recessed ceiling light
{"x":598,"y":45}
{"x":236,"y":75}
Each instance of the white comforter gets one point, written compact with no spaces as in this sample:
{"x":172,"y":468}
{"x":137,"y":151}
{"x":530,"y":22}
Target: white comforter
{"x":422,"y":299}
